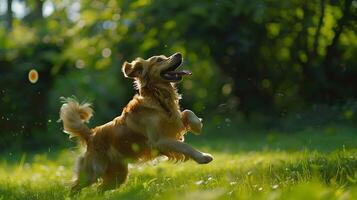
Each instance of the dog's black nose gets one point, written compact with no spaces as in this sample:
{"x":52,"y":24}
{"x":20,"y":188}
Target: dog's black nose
{"x":177,"y":55}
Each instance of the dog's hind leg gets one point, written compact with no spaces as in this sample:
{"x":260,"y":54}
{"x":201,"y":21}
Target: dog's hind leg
{"x":115,"y":175}
{"x":84,"y":175}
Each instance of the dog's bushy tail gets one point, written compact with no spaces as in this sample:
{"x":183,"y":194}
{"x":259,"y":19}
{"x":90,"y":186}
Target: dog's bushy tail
{"x":75,"y":116}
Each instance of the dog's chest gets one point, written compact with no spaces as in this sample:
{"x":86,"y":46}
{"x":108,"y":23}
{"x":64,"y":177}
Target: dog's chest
{"x":172,"y":126}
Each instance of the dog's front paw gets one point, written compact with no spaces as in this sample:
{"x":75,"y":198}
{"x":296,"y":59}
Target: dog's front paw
{"x":196,"y":126}
{"x":192,"y":122}
{"x":204,"y":158}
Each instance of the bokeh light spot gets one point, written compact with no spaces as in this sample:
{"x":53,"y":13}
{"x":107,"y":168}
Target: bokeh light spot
{"x":266,"y":83}
{"x":187,"y":84}
{"x":116,"y":17}
{"x":80,"y":64}
{"x":106,"y":52}
{"x":227,"y":89}
{"x":33,"y":76}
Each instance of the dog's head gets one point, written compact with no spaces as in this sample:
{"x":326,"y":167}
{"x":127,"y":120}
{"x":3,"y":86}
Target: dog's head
{"x":157,"y":69}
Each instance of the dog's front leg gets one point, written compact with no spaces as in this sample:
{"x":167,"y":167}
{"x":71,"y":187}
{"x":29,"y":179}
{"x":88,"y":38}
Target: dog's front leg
{"x":191,"y":121}
{"x":168,"y":144}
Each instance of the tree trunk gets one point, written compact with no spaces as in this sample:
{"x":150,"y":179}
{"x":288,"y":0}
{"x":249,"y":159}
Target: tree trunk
{"x":331,"y":50}
{"x":318,"y":31}
{"x":9,"y":15}
{"x":38,"y":9}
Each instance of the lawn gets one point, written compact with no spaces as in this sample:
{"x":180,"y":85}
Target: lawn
{"x":318,"y":163}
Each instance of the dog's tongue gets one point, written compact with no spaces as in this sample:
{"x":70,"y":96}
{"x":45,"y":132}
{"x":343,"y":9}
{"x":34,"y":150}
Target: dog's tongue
{"x":181,"y":73}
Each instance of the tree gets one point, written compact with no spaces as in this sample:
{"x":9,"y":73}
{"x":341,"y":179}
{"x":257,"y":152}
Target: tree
{"x":9,"y":15}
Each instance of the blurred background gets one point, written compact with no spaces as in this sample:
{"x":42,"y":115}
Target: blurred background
{"x":271,"y":65}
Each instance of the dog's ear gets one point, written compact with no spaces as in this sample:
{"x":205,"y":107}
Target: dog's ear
{"x":127,"y":69}
{"x":132,"y":70}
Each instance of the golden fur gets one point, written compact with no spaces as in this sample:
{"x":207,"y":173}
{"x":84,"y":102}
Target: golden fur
{"x":150,"y":125}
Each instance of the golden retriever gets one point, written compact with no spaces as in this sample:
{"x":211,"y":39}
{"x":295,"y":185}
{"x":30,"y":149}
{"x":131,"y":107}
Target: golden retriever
{"x":150,"y":125}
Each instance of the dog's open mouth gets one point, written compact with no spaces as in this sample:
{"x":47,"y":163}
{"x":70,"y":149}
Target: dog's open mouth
{"x":173,"y":75}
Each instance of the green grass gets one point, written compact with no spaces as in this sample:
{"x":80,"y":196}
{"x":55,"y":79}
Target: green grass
{"x":311,"y":164}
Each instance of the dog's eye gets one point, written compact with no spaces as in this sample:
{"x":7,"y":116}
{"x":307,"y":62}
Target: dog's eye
{"x":159,"y":59}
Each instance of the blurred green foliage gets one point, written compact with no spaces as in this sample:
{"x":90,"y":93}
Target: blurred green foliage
{"x":270,"y":57}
